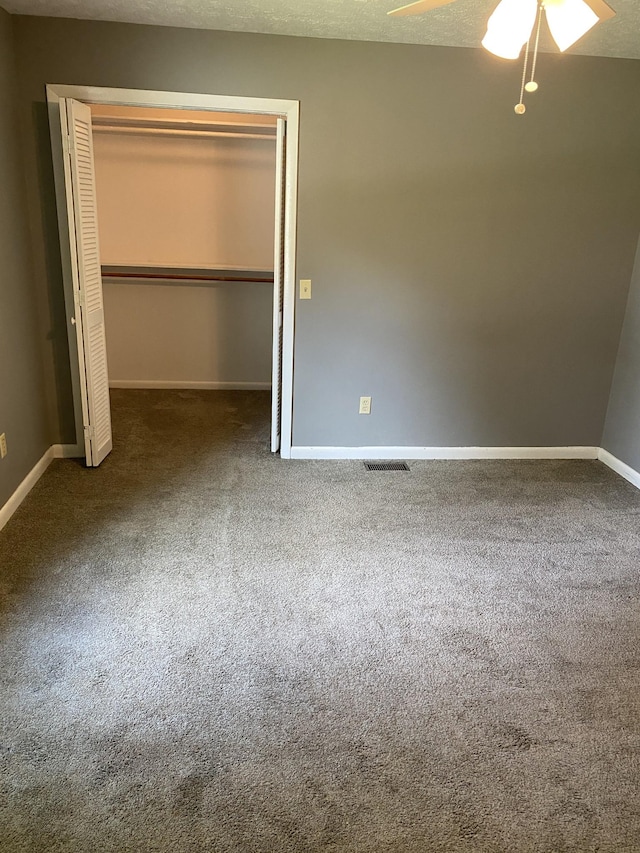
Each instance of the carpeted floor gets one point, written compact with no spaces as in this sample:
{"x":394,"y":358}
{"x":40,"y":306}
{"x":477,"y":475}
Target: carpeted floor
{"x":205,"y":648}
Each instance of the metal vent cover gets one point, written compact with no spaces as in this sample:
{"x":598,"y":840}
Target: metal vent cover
{"x":386,"y":466}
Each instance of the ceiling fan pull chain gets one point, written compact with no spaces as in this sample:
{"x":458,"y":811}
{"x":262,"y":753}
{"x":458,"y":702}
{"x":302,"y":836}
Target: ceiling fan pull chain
{"x":520,"y":108}
{"x":532,"y":86}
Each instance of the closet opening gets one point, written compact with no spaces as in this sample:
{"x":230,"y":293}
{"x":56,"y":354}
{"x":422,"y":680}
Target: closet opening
{"x":177,"y":217}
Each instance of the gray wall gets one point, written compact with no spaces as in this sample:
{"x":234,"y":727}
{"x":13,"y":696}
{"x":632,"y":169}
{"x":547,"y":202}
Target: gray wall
{"x":470,"y":268}
{"x":622,"y":429}
{"x":22,"y":411}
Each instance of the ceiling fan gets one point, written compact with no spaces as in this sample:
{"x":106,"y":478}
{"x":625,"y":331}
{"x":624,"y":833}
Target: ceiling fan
{"x":512,"y":24}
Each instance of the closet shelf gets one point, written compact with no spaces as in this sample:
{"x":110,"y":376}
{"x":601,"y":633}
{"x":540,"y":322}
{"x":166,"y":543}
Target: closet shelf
{"x":200,"y":275}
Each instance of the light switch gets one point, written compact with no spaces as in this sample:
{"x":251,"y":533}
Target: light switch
{"x":305,"y":288}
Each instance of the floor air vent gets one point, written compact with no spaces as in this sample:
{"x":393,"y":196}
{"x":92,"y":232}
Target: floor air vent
{"x":386,"y":466}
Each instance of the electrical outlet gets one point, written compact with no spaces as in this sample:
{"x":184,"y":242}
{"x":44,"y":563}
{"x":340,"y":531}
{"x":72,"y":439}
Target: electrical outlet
{"x":3,"y":445}
{"x":365,"y":405}
{"x":305,"y":288}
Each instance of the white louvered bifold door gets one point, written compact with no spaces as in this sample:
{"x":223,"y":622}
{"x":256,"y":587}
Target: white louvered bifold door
{"x":278,"y":288}
{"x":87,"y":278}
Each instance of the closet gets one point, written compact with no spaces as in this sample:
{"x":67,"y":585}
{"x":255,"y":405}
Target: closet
{"x":186,"y":207}
{"x":193,"y":241}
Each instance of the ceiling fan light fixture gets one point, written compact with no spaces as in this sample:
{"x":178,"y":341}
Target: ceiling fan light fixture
{"x":509,"y":27}
{"x":569,"y":20}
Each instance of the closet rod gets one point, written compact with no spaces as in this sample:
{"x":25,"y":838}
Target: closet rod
{"x":202,"y":134}
{"x":182,"y":277}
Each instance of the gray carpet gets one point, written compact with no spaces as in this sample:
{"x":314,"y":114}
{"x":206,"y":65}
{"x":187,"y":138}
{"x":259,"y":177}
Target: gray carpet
{"x":205,"y":648}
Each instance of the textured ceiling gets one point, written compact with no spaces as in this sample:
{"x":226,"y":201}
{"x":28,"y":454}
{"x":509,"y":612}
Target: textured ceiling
{"x":461,"y":24}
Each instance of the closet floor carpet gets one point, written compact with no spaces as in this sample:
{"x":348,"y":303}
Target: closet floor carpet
{"x":206,"y":648}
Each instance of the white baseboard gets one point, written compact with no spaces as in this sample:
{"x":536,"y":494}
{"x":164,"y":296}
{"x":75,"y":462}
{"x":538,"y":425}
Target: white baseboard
{"x":619,"y":467}
{"x":444,"y":452}
{"x":176,"y":384}
{"x":57,"y":451}
{"x":25,"y":487}
{"x":68,"y":451}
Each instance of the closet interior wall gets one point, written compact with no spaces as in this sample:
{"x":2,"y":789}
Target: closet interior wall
{"x":179,"y":194}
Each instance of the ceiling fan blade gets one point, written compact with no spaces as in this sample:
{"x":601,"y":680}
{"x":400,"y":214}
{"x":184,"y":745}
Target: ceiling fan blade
{"x":419,"y":7}
{"x":601,"y":9}
{"x":569,"y":20}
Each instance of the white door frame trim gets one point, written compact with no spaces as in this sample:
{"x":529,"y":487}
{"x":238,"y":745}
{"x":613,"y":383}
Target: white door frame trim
{"x":290,"y":110}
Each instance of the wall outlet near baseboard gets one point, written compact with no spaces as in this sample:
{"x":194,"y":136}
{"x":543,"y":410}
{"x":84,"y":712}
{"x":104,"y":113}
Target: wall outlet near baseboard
{"x":365,"y":406}
{"x":3,"y":445}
